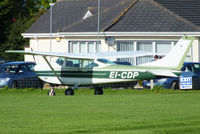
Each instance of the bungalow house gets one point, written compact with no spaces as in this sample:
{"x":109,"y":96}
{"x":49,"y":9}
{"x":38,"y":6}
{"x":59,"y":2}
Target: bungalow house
{"x":125,"y":25}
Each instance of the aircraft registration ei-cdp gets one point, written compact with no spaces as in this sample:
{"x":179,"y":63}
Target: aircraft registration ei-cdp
{"x":95,"y":69}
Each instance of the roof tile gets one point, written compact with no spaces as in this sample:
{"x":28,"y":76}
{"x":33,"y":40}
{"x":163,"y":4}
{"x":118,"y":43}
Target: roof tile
{"x":149,"y":16}
{"x":143,"y":16}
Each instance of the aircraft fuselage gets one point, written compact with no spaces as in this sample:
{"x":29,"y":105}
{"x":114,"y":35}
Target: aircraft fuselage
{"x":85,"y":76}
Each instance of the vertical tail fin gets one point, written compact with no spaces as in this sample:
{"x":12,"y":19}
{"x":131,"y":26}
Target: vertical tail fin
{"x":175,"y":58}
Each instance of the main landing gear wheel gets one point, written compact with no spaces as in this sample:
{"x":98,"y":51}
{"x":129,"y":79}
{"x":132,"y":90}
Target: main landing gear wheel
{"x":69,"y":91}
{"x":51,"y":92}
{"x":98,"y":91}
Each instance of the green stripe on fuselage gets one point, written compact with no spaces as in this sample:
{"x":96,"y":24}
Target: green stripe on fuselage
{"x":137,"y":68}
{"x":100,"y":74}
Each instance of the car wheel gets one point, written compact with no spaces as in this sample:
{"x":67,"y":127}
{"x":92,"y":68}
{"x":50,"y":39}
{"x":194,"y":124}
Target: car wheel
{"x":41,"y":85}
{"x":174,"y":85}
{"x":14,"y":84}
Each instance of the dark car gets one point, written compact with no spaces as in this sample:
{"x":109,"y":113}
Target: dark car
{"x":19,"y":75}
{"x":190,"y":69}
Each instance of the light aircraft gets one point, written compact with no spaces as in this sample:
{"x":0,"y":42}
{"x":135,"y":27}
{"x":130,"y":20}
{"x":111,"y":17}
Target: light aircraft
{"x":95,"y":69}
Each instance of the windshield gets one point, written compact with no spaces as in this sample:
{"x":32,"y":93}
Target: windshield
{"x":106,"y":61}
{"x":196,"y":68}
{"x":60,"y":61}
{"x":76,"y":63}
{"x":192,"y":67}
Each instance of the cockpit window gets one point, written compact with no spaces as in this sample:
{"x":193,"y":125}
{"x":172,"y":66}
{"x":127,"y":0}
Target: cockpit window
{"x":72,"y":63}
{"x":91,"y":65}
{"x":60,"y":61}
{"x":76,"y":63}
{"x":105,"y":61}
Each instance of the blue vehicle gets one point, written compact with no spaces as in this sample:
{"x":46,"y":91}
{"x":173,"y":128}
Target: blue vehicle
{"x":19,"y":75}
{"x":190,"y":69}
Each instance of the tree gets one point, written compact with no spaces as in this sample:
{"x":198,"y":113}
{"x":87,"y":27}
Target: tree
{"x":10,"y":10}
{"x":15,"y":17}
{"x":44,"y":4}
{"x":5,"y":17}
{"x":14,"y":40}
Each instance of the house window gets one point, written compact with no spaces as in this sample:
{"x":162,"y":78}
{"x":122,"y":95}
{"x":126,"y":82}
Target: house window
{"x":75,"y":48}
{"x":146,"y":46}
{"x":163,"y":47}
{"x":159,"y":47}
{"x":126,"y":46}
{"x":91,"y":47}
{"x":84,"y":47}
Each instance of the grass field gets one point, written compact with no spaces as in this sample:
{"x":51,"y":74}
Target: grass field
{"x":117,"y":111}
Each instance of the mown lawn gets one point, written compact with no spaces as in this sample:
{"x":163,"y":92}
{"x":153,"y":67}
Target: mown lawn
{"x":117,"y":111}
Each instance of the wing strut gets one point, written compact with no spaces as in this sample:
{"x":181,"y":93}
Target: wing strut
{"x":53,"y":70}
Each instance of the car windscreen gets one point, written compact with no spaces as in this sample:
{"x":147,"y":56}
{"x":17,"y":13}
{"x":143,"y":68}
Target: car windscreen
{"x":196,"y":68}
{"x":193,"y":67}
{"x":30,"y":67}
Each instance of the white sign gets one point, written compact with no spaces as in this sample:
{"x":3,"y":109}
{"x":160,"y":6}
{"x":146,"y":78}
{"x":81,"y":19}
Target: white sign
{"x":185,"y":82}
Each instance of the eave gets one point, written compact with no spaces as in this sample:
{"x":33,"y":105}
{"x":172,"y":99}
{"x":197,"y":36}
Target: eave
{"x":106,"y":34}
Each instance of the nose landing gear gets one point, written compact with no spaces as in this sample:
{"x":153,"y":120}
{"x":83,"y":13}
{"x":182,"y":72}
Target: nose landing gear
{"x":51,"y":92}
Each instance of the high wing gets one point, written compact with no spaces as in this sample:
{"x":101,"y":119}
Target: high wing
{"x":106,"y":55}
{"x":122,"y":54}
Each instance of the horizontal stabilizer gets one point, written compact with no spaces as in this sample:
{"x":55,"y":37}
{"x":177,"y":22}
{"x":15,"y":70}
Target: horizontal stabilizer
{"x":163,"y":73}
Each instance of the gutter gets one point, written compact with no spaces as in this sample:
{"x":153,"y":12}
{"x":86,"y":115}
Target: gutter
{"x":106,"y":34}
{"x":156,"y":34}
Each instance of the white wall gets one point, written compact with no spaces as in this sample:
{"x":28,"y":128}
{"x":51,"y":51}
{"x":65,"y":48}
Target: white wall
{"x":43,"y":44}
{"x":195,"y":51}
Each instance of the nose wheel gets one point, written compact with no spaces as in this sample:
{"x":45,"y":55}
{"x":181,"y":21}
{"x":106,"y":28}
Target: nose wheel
{"x":51,"y":92}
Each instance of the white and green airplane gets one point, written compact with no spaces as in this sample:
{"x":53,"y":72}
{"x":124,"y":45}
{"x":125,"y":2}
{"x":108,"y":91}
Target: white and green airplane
{"x":95,"y":69}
